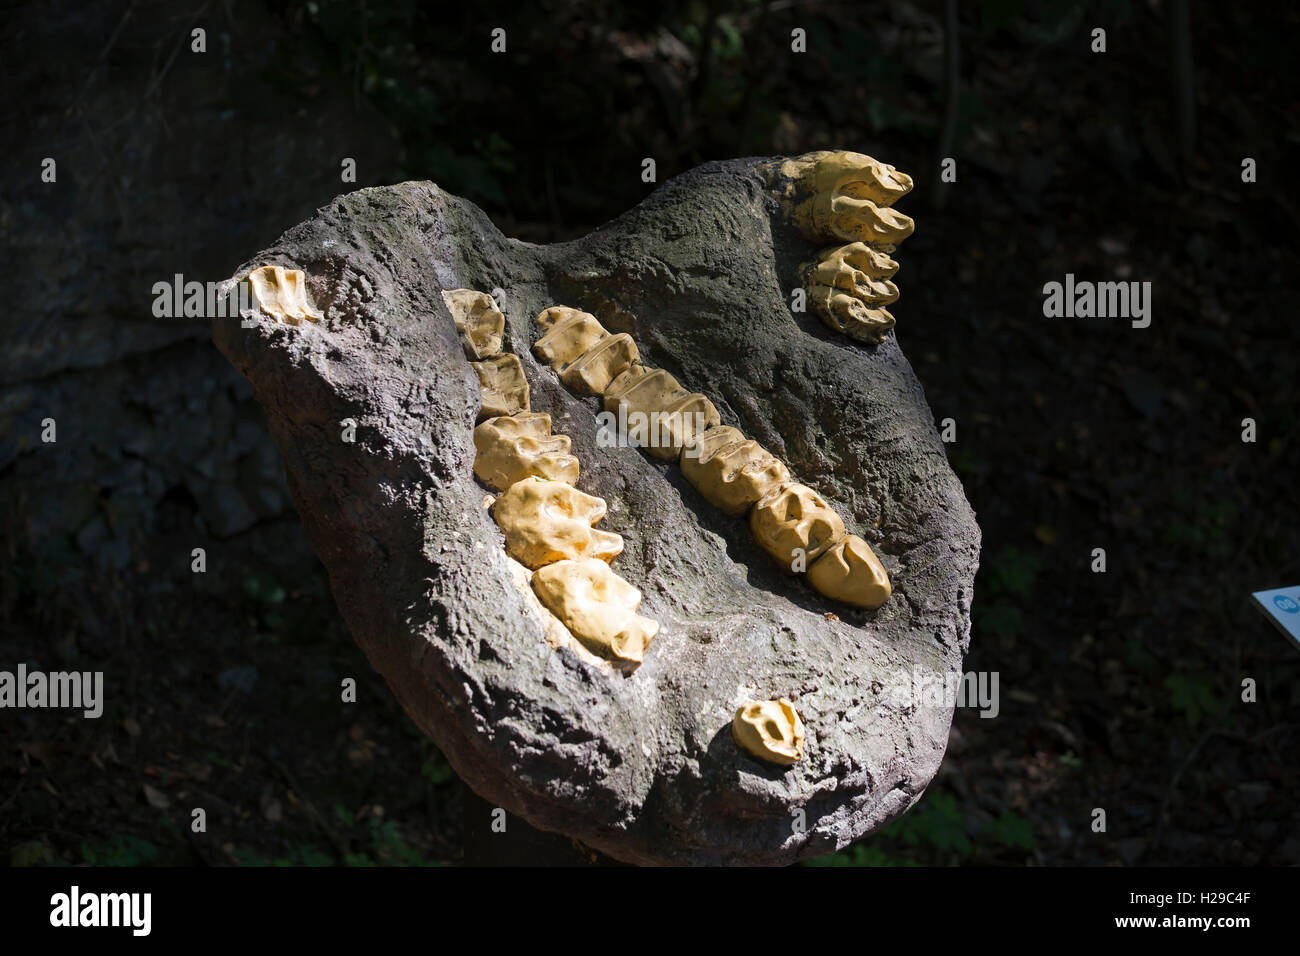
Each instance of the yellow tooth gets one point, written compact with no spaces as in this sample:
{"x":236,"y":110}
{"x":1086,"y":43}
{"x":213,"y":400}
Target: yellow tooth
{"x":503,"y":386}
{"x":850,"y":572}
{"x":478,"y":320}
{"x":660,"y":414}
{"x":282,"y":294}
{"x":862,"y":220}
{"x":546,"y":521}
{"x":843,"y":195}
{"x":861,"y":256}
{"x":729,"y":470}
{"x":770,"y":730}
{"x":795,"y":525}
{"x":569,"y":334}
{"x":830,"y":277}
{"x":585,"y":356}
{"x":598,"y":607}
{"x":511,"y":448}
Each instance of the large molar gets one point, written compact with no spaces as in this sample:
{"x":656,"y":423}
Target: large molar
{"x":510,"y":448}
{"x":770,"y":730}
{"x":478,"y":320}
{"x":599,"y":609}
{"x":795,"y":525}
{"x":660,"y":415}
{"x":546,"y":521}
{"x":581,"y":351}
{"x":851,"y":573}
{"x":282,"y":294}
{"x":846,"y":196}
{"x":731,"y":471}
{"x":502,"y":385}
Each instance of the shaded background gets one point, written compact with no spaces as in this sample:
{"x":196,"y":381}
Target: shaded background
{"x":1118,"y":690}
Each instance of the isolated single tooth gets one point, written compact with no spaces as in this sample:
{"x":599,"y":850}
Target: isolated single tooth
{"x":660,"y":414}
{"x":511,"y":448}
{"x":770,"y":730}
{"x":546,"y":521}
{"x":598,"y":607}
{"x":729,"y":470}
{"x":793,"y":518}
{"x":478,"y":320}
{"x":580,"y":350}
{"x":503,"y":386}
{"x":850,"y":572}
{"x":282,"y":294}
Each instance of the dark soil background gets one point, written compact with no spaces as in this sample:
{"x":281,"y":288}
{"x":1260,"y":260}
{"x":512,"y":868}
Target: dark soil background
{"x":1120,"y":691}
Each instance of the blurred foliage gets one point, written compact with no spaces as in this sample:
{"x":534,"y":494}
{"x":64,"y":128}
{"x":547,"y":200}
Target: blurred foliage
{"x":936,"y":832}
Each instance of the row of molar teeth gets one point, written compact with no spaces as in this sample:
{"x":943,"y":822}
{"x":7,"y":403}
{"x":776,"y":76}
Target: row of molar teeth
{"x":789,"y":520}
{"x":731,"y":471}
{"x":557,"y":556}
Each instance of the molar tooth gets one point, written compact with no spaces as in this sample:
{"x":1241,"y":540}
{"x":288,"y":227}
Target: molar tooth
{"x":282,"y":294}
{"x":546,"y":521}
{"x":845,"y":313}
{"x":569,"y":334}
{"x":793,"y":517}
{"x":598,"y":607}
{"x":850,"y":572}
{"x":861,"y":219}
{"x":672,"y":414}
{"x":770,"y":730}
{"x":503,"y":386}
{"x":861,"y":256}
{"x":729,"y":470}
{"x":585,"y":356}
{"x":511,"y":448}
{"x":478,"y":320}
{"x":831,"y":188}
{"x":592,"y":372}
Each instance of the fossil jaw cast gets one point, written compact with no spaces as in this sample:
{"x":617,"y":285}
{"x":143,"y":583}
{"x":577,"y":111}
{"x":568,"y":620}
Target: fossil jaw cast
{"x":282,"y":294}
{"x":511,"y":448}
{"x":770,"y":730}
{"x":599,"y":608}
{"x":478,"y":320}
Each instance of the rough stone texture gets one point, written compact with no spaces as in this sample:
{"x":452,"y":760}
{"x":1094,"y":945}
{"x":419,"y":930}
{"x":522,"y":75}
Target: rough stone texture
{"x":642,"y":767}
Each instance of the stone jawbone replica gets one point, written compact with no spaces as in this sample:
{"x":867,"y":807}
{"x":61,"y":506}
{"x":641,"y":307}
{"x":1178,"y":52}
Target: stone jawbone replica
{"x":642,"y":765}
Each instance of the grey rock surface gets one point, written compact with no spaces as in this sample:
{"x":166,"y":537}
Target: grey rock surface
{"x":641,"y":767}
